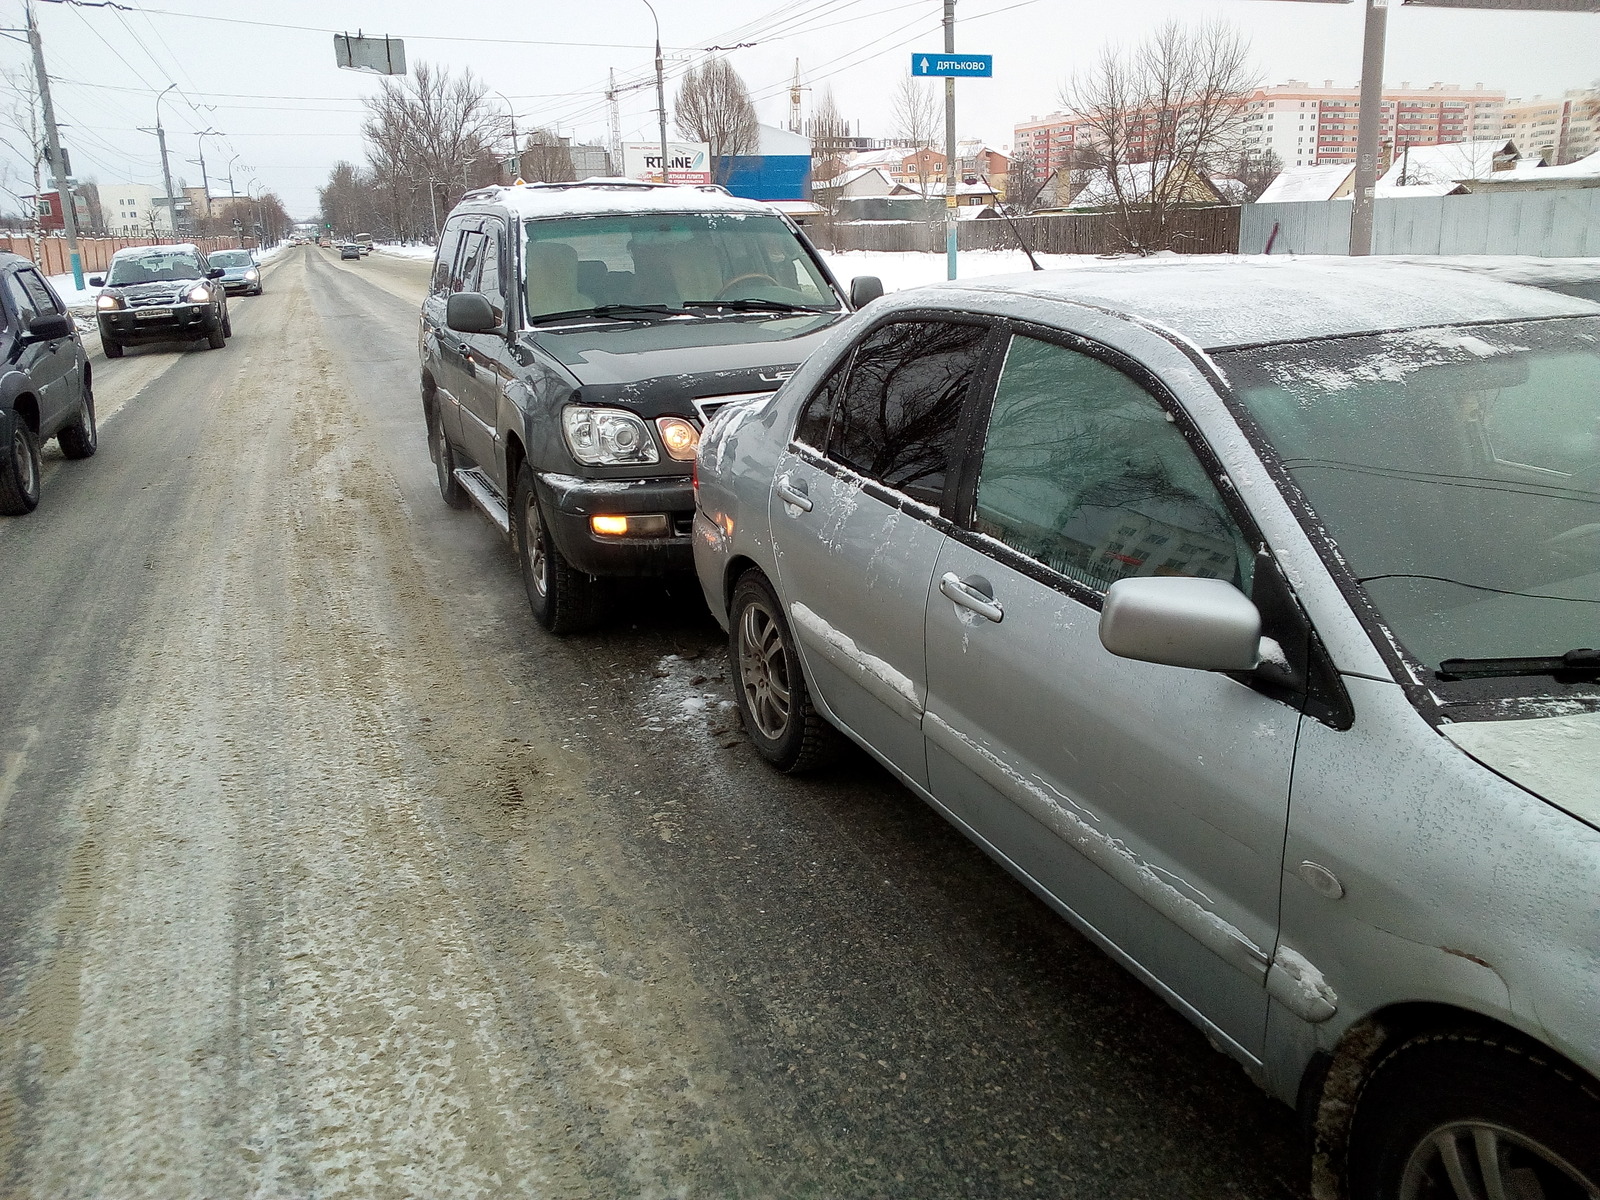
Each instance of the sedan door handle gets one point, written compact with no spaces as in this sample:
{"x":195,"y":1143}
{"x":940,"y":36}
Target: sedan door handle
{"x":793,"y":492}
{"x":972,"y":593}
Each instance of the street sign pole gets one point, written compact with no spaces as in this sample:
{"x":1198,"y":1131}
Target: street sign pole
{"x":950,"y":145}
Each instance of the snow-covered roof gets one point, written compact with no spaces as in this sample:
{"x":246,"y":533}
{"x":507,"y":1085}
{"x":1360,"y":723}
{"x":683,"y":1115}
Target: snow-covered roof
{"x":877,"y":158}
{"x":777,"y":141}
{"x":1528,"y":171}
{"x":1296,"y":185}
{"x":797,"y":208}
{"x":846,"y":178}
{"x":1219,"y":301}
{"x":1414,"y":191}
{"x":613,"y":196}
{"x":1139,"y":181}
{"x":1452,"y":162}
{"x":963,"y":188}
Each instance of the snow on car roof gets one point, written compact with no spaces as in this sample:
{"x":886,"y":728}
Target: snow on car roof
{"x":1236,"y":301}
{"x":610,"y":196}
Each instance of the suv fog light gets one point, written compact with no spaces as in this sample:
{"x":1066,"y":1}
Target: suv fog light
{"x":680,"y":437}
{"x":636,"y":525}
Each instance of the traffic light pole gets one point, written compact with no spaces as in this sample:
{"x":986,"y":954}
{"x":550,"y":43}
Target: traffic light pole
{"x":58,"y":166}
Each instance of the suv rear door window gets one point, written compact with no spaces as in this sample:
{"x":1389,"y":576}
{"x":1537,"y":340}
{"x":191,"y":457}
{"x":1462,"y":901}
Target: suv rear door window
{"x":897,"y":414}
{"x":1084,"y":471}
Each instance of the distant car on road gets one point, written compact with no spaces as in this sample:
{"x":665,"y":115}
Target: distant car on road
{"x":575,"y":337}
{"x":349,"y":250}
{"x":1248,"y":614}
{"x":45,"y":383}
{"x":240,"y":271}
{"x":161,"y":294}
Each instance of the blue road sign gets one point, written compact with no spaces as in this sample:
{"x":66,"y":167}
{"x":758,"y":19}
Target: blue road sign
{"x":970,"y":66}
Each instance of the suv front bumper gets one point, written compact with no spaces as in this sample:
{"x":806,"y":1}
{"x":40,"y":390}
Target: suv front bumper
{"x":177,"y":322}
{"x":568,"y":502}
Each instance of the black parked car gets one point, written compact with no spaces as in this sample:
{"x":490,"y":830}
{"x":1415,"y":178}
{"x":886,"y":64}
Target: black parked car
{"x":575,"y":339}
{"x":161,"y":294}
{"x":45,"y":389}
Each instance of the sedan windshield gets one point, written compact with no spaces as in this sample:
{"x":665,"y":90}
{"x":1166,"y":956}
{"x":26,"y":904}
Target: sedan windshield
{"x":154,"y":268}
{"x":232,"y":258}
{"x":1457,"y":469}
{"x":678,"y":261}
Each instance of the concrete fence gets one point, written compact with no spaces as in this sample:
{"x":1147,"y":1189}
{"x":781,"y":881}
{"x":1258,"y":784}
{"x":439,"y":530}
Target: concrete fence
{"x":95,"y":253}
{"x":1561,"y":223}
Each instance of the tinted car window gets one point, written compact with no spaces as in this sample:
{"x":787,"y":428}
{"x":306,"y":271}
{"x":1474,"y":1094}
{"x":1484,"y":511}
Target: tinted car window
{"x":817,"y":415}
{"x":897,"y":413}
{"x":232,"y":258}
{"x":1084,"y":471}
{"x":489,"y":279}
{"x":20,"y":301}
{"x":153,"y":268}
{"x":44,"y":300}
{"x":470,"y":263}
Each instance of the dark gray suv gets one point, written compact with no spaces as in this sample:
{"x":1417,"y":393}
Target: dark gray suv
{"x":44,"y":384}
{"x":161,"y":294}
{"x":576,"y":337}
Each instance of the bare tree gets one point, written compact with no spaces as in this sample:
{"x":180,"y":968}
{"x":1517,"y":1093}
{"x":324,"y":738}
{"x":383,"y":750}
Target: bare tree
{"x":1253,"y":168}
{"x":713,"y":106}
{"x":1026,"y":179}
{"x":547,"y":158}
{"x":916,"y":123}
{"x":1158,"y":115}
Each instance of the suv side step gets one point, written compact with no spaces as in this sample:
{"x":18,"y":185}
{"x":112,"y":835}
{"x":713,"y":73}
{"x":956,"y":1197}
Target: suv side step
{"x":485,"y":496}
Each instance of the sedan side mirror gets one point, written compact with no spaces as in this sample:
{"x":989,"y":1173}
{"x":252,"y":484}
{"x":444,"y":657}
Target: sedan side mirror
{"x":470,"y":312}
{"x":215,"y":273}
{"x":47,"y":327}
{"x":1204,"y":624}
{"x":864,"y":289}
{"x":97,"y":281}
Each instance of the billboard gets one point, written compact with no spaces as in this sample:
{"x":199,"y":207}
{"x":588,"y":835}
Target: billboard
{"x":687,"y":162}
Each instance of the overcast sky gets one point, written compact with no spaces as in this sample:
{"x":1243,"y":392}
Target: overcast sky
{"x":263,"y":73}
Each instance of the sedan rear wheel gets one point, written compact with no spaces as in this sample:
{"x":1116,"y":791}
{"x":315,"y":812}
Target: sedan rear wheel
{"x":770,"y":686}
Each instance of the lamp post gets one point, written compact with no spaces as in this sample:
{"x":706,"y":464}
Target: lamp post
{"x":661,"y":92}
{"x":516,"y":152}
{"x":261,"y":230}
{"x":166,"y":172}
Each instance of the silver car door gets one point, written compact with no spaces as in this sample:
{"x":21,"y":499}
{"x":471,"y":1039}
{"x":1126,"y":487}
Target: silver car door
{"x":1149,"y":801}
{"x":854,"y":513}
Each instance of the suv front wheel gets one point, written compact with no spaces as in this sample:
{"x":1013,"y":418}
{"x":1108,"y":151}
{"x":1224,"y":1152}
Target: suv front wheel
{"x":563,"y":598}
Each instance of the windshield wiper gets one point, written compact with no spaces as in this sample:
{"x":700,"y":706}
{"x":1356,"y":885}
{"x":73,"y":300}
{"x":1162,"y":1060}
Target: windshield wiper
{"x":1574,"y":664}
{"x":618,"y":312}
{"x":754,"y":305}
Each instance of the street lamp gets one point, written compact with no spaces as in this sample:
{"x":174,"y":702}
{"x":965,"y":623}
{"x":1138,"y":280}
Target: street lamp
{"x":516,"y":153}
{"x":661,"y":94}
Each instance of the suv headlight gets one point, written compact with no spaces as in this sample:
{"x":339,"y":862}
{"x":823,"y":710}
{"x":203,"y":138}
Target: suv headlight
{"x":107,"y":301}
{"x":607,"y":437}
{"x":252,"y":274}
{"x":199,"y":295}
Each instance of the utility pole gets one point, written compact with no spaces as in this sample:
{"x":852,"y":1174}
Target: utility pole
{"x":1370,"y":116}
{"x":616,"y":124}
{"x":516,"y":151}
{"x":58,"y":164}
{"x":205,"y":182}
{"x":166,"y":172}
{"x":661,"y":92}
{"x":950,"y":145}
{"x":794,"y":100}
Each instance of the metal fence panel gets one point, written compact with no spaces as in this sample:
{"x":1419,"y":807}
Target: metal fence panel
{"x":95,"y":253}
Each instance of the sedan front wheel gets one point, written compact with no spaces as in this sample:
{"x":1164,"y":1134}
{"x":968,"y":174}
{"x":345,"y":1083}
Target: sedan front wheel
{"x":770,"y":686}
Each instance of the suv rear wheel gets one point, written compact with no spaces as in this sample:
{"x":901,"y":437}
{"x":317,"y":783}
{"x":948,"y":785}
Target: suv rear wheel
{"x":563,"y":598}
{"x":1473,"y":1113}
{"x":19,"y":465}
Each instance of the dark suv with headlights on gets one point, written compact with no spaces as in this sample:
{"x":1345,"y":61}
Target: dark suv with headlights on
{"x":161,"y":294}
{"x":575,"y":339}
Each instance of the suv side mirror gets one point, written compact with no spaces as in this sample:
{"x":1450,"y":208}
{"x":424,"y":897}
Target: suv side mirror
{"x":864,"y":289}
{"x":470,"y":312}
{"x":47,"y":327}
{"x":1204,"y":624}
{"x":215,"y":273}
{"x":97,"y":281}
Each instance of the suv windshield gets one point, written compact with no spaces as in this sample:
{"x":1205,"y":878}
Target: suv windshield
{"x":232,"y":258}
{"x":676,"y":261}
{"x":1458,"y":469}
{"x":153,"y":268}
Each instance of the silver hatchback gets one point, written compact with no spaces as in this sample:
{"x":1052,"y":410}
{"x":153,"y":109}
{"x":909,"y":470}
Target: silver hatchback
{"x":1246,"y":613}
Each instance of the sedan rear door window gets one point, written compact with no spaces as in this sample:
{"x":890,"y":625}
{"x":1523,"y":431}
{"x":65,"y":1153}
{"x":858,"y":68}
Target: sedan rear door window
{"x":896,"y":416}
{"x":1084,"y":471}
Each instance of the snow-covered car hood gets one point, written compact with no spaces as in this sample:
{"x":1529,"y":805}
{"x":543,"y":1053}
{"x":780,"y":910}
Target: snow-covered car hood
{"x":1555,"y":757}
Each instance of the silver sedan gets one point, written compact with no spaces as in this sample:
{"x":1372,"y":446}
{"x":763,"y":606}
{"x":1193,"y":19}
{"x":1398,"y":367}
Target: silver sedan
{"x":1246,"y":613}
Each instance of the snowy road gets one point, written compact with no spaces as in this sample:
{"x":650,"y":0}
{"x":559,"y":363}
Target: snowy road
{"x":323,"y":872}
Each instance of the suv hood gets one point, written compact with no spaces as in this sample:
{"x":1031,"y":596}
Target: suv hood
{"x":167,"y":290}
{"x":684,"y":358}
{"x":1557,"y":757}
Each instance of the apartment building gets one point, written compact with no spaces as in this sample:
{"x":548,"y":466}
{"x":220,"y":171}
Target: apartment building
{"x":1559,"y":130}
{"x":1309,"y":126}
{"x":1306,"y":125}
{"x":127,"y":209}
